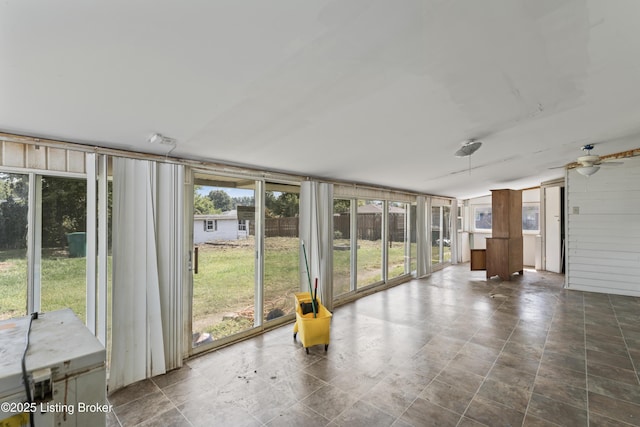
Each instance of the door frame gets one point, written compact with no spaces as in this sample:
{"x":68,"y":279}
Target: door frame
{"x":440,"y":204}
{"x":560,"y":184}
{"x":260,"y":325}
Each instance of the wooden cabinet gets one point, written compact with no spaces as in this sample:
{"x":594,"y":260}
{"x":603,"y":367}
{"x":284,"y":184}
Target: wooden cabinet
{"x":506,"y":213}
{"x":504,"y":257}
{"x":478,"y":259}
{"x":504,"y":248}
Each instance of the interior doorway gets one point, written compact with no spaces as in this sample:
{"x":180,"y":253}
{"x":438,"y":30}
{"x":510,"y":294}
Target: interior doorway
{"x":554,"y":229}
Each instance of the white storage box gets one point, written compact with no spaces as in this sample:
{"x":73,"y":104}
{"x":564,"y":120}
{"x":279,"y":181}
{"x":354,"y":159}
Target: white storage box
{"x":62,"y":352}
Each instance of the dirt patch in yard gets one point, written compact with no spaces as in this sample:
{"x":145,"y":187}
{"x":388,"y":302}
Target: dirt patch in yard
{"x":271,"y":243}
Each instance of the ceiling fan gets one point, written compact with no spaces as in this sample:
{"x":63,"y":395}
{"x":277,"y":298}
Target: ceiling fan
{"x":590,"y":163}
{"x":468,"y":148}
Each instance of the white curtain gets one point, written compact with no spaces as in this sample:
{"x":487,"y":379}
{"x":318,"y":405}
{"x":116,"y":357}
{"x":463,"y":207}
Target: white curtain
{"x":316,"y":232}
{"x":453,"y":219}
{"x":147,"y":268}
{"x":422,"y":231}
{"x":172,"y":259}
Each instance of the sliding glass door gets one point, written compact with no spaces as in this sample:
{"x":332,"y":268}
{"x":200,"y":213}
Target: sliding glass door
{"x":370,"y":241}
{"x":342,"y":250}
{"x":440,"y":235}
{"x":373,"y":241}
{"x":398,"y":245}
{"x":281,"y":249}
{"x":245,"y":270}
{"x":223,"y":258}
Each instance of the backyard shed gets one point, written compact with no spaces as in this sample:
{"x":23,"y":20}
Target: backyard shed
{"x":224,"y":226}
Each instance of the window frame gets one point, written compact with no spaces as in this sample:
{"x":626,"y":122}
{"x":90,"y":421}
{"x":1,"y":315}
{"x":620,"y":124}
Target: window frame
{"x":210,"y":225}
{"x":529,"y":205}
{"x":488,"y":208}
{"x":475,"y":219}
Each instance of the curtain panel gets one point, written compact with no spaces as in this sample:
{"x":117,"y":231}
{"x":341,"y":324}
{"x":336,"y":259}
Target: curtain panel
{"x":147,"y":267}
{"x":316,"y":233}
{"x":422,"y":248}
{"x":453,"y":220}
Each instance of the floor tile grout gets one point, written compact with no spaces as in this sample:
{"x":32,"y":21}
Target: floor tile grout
{"x":448,"y":322}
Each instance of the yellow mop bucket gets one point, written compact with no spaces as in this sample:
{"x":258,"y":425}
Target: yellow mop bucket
{"x":312,"y":330}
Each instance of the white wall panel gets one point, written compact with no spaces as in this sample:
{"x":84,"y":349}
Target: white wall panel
{"x":529,"y":250}
{"x":603,"y":230}
{"x":40,"y":158}
{"x":13,"y":154}
{"x":36,"y":157}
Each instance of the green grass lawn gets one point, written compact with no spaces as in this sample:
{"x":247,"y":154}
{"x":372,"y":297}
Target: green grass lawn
{"x":13,"y":283}
{"x":369,"y":263}
{"x":435,"y":254}
{"x":224,"y":283}
{"x":63,"y":283}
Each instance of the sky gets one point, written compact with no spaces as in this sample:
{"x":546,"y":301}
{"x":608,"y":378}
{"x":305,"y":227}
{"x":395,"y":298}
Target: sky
{"x":232,"y":192}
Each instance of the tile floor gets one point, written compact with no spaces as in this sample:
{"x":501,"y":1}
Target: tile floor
{"x":449,"y":350}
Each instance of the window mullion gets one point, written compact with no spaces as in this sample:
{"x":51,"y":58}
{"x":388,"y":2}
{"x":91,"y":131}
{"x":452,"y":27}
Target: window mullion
{"x":34,"y":243}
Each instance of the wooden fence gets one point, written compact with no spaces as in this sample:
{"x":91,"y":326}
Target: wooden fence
{"x":369,"y":227}
{"x":278,"y":227}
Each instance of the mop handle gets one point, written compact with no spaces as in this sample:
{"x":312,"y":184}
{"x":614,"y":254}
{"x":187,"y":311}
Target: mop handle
{"x":306,"y":263}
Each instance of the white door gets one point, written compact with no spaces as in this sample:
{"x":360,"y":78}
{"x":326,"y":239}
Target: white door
{"x":552,"y":237}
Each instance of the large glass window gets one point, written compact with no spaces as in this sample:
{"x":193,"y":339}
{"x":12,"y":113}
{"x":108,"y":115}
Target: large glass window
{"x":436,"y":228}
{"x":64,"y":221}
{"x":281,"y":249}
{"x":59,"y":267}
{"x":369,"y":242}
{"x":531,"y":217}
{"x":482,"y":218}
{"x":446,"y":234}
{"x":14,"y":205}
{"x":342,"y":253}
{"x":440,"y":234}
{"x":398,"y":252}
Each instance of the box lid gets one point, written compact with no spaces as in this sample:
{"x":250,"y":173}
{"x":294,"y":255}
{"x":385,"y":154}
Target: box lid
{"x":59,"y":340}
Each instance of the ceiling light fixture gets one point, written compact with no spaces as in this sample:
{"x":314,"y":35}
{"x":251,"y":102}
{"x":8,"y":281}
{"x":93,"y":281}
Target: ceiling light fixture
{"x":588,"y":163}
{"x":468,"y":148}
{"x":587,"y":170}
{"x":158,"y":138}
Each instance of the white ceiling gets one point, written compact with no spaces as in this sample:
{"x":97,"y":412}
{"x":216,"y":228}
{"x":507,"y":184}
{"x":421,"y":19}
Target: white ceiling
{"x":370,"y":91}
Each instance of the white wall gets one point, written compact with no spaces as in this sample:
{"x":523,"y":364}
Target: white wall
{"x":603,"y":230}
